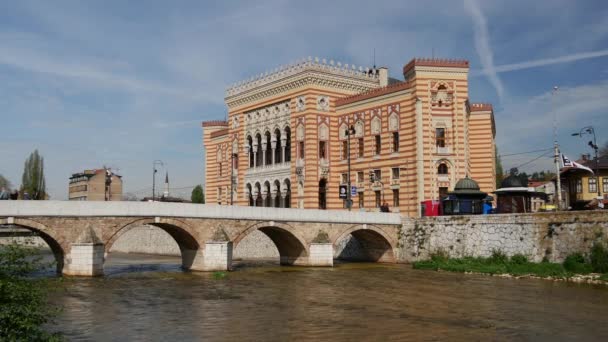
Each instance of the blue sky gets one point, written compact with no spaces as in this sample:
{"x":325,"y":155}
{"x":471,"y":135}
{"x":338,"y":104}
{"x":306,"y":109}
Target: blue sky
{"x":122,"y":83}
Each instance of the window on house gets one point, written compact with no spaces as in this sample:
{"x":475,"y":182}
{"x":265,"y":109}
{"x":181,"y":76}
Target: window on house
{"x":360,"y":177}
{"x":344,"y":149}
{"x":301,"y":148}
{"x":396,"y":198}
{"x":395,"y":141}
{"x":219,"y":195}
{"x":361,"y":200}
{"x":395,"y":173}
{"x":378,"y":198}
{"x":377,"y":175}
{"x":344,"y":178}
{"x":322,"y":150}
{"x":605,"y":185}
{"x":361,"y":148}
{"x":378,"y":145}
{"x":220,"y":172}
{"x":579,"y":186}
{"x":442,"y":169}
{"x":592,"y":185}
{"x":235,"y":161}
{"x":440,"y":137}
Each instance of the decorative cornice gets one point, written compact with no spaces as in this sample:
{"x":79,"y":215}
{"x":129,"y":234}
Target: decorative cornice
{"x":481,"y":107}
{"x":219,"y":133}
{"x":215,"y":123}
{"x":307,"y":72}
{"x":373,"y":93}
{"x":435,"y":62}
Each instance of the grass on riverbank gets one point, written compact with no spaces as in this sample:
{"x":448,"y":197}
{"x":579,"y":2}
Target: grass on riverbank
{"x":517,"y":265}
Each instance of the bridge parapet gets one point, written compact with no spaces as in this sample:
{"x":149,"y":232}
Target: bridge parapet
{"x":189,"y":210}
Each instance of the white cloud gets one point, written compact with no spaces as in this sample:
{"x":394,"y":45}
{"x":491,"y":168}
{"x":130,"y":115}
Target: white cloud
{"x":482,"y":45}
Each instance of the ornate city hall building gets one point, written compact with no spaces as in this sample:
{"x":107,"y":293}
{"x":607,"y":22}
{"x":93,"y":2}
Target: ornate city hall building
{"x":292,"y":133}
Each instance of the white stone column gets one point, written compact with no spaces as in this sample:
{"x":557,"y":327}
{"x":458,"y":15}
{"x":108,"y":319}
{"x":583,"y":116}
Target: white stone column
{"x":321,"y":254}
{"x":85,"y":259}
{"x":273,"y":146}
{"x":283,"y":142}
{"x":218,"y":256}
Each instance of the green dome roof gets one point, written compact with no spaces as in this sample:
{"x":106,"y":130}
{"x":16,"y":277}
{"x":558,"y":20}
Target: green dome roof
{"x":466,"y":184}
{"x":511,"y":182}
{"x":467,"y":187}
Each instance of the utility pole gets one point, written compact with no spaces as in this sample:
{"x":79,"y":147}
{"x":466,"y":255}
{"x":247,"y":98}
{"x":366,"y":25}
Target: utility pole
{"x":154,"y":170}
{"x":349,"y":131}
{"x":556,"y":151}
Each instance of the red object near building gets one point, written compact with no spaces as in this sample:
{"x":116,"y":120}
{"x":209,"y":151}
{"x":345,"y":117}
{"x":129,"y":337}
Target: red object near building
{"x":431,"y":208}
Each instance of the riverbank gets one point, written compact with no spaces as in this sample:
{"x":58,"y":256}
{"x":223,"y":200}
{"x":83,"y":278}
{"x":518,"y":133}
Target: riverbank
{"x":574,"y":269}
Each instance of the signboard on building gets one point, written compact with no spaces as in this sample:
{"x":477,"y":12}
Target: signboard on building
{"x":343,"y":191}
{"x":353,"y":191}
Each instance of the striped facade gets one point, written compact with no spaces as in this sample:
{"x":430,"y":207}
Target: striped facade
{"x":286,"y":137}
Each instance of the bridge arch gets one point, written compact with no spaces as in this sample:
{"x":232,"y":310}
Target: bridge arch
{"x":293,"y":249}
{"x":49,"y":235}
{"x":375,"y":244}
{"x":180,"y":231}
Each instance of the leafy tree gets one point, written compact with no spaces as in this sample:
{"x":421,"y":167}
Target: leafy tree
{"x":499,"y":170}
{"x":32,"y":180}
{"x":198,"y":195}
{"x":24,"y":309}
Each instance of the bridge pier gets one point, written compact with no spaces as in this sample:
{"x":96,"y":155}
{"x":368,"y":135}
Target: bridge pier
{"x":218,"y":256}
{"x":85,"y":259}
{"x":321,"y":254}
{"x":215,"y":256}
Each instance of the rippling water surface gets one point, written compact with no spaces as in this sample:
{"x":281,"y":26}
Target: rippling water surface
{"x":149,"y":298}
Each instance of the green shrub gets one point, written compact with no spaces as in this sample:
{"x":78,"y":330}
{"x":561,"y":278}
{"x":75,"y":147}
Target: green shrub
{"x":23,"y":307}
{"x":599,"y":258}
{"x":498,"y":257}
{"x":519,"y":259}
{"x":576,"y":263}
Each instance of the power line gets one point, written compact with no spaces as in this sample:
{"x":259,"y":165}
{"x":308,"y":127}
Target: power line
{"x":530,"y":161}
{"x":518,"y":153}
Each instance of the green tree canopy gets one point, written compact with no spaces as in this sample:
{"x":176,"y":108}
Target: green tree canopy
{"x":499,"y":171}
{"x":33,"y":181}
{"x":198,"y":195}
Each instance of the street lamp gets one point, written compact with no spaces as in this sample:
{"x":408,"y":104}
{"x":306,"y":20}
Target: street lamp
{"x":232,"y":157}
{"x":349,"y":131}
{"x":154,"y":170}
{"x":593,"y":145}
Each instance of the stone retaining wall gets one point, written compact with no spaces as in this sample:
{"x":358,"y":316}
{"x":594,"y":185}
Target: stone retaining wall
{"x":541,"y":235}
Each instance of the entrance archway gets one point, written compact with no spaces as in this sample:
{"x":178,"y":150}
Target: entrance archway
{"x":49,"y":236}
{"x":323,"y":193}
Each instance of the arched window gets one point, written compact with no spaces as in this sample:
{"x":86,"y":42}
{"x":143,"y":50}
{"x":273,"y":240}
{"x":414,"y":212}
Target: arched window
{"x":288,"y":144}
{"x":278,"y":150}
{"x":250,"y":145}
{"x":259,"y":155}
{"x":268,"y":148}
{"x":442,"y":169}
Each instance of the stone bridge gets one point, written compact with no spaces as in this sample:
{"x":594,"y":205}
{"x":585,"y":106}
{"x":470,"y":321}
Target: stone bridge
{"x":80,"y":234}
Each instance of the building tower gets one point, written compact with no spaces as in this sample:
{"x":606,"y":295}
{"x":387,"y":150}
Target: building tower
{"x":166,"y":192}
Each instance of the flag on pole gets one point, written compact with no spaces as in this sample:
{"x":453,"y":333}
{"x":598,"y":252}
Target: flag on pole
{"x":566,"y":162}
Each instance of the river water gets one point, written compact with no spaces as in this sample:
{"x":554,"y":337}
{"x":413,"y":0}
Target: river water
{"x":149,"y":298}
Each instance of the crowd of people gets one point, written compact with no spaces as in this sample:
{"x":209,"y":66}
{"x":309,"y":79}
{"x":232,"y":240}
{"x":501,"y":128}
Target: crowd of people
{"x":14,"y":195}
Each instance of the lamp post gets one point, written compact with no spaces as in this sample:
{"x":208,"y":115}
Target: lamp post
{"x":154,"y":170}
{"x":232,"y":156}
{"x":349,"y":131}
{"x":593,"y":145}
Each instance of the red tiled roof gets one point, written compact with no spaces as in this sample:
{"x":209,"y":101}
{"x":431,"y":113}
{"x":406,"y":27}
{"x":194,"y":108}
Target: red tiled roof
{"x":215,"y":123}
{"x":373,"y":93}
{"x":481,"y":107}
{"x":436,"y":62}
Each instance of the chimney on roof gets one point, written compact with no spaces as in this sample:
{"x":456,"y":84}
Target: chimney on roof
{"x":383,"y":76}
